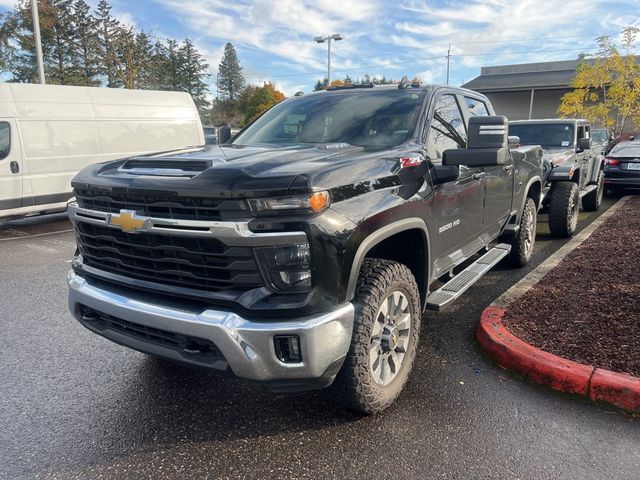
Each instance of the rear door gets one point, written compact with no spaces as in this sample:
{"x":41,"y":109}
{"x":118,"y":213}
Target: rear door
{"x":10,"y":167}
{"x":457,"y":206}
{"x":498,"y":179}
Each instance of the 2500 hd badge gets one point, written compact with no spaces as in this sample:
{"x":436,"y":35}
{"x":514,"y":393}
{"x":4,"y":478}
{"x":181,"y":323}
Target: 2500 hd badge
{"x":301,"y":253}
{"x":449,"y":226}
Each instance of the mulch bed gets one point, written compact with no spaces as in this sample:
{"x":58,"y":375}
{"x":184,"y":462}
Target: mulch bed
{"x":587,"y":309}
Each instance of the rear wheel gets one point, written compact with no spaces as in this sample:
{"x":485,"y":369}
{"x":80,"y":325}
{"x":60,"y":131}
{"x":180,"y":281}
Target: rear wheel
{"x":592,"y":201}
{"x":564,"y":208}
{"x":523,"y":242}
{"x":385,"y":337}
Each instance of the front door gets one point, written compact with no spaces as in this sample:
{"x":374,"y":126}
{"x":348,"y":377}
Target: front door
{"x":457,"y":207}
{"x":498,"y":180}
{"x":10,"y":167}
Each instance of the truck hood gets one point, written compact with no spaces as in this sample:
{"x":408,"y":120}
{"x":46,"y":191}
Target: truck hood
{"x":241,"y":171}
{"x":557,"y":156}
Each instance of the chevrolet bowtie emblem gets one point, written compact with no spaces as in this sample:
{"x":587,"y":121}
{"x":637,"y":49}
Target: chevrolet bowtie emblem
{"x":128,"y":221}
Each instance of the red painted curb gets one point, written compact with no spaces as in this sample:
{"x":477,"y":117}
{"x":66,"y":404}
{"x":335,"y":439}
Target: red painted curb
{"x":619,"y":389}
{"x":550,"y":370}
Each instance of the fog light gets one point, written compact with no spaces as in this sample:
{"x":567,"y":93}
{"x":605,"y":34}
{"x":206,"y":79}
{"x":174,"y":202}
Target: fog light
{"x":286,"y":268}
{"x":288,"y":348}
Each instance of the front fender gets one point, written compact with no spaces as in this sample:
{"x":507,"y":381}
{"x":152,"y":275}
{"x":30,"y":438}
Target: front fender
{"x":380,"y":234}
{"x":563,"y":173}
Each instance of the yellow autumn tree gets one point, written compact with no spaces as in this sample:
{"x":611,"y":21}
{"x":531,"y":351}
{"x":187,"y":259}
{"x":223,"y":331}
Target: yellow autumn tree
{"x":255,"y":100}
{"x":606,"y":90}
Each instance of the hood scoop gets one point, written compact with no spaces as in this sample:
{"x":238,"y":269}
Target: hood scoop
{"x":165,"y":167}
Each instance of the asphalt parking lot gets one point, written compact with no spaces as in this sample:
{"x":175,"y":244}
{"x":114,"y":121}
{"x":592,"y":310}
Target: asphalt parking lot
{"x":74,"y":405}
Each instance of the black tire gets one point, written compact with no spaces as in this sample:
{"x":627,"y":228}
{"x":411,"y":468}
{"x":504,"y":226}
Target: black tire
{"x":564,"y":208}
{"x":355,"y":387}
{"x":591,"y":201}
{"x":610,"y":191}
{"x":523,"y":242}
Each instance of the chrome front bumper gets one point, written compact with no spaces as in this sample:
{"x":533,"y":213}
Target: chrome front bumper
{"x":247,"y":346}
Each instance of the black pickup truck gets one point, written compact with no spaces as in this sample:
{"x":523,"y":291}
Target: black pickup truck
{"x":303,"y":253}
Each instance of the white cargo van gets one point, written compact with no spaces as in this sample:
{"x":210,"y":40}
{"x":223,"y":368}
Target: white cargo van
{"x":49,"y":132}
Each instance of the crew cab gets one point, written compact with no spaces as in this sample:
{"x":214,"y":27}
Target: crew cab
{"x":303,"y":253}
{"x":573,"y":168}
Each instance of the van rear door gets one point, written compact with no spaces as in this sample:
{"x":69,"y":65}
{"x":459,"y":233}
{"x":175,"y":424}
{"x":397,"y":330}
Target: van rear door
{"x":10,"y":167}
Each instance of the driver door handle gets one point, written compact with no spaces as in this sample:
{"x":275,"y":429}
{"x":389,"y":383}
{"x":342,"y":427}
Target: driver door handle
{"x":478,"y":176}
{"x":508,"y":168}
{"x":14,"y":166}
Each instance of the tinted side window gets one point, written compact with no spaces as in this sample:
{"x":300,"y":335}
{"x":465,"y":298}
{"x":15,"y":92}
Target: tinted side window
{"x":477,"y":108}
{"x":447,"y":128}
{"x":5,"y":139}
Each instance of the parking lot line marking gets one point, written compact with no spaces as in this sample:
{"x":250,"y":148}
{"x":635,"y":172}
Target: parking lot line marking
{"x":36,"y":235}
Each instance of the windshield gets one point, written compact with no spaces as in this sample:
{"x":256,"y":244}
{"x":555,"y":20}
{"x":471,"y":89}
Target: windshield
{"x":545,"y":134}
{"x":599,"y":135}
{"x":374,"y":118}
{"x":626,"y":149}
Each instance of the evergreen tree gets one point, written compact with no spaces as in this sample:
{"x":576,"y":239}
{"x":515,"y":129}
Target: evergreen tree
{"x":230,"y":79}
{"x":321,"y":85}
{"x":130,"y":58}
{"x":192,"y":70}
{"x":86,"y":59}
{"x":166,"y":64}
{"x":19,"y":27}
{"x":62,"y":43}
{"x":108,"y":28}
{"x":6,"y":50}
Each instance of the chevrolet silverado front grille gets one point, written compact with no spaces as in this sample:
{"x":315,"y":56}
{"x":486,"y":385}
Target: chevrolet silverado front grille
{"x":190,"y":262}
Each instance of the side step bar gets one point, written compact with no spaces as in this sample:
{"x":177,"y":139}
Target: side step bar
{"x":587,"y":189}
{"x":466,"y":278}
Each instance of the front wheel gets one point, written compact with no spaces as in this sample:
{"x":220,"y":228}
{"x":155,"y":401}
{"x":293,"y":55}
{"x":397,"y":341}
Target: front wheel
{"x":564,"y":208}
{"x":592,"y":200}
{"x":385,"y":337}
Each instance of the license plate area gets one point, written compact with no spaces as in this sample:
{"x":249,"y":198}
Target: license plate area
{"x":633,"y":166}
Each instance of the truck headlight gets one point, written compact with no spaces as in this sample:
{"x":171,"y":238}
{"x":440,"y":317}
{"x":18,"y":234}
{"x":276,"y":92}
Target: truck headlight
{"x":286,"y":268}
{"x":309,"y":203}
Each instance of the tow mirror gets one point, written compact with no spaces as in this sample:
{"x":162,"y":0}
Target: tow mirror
{"x":514,"y":141}
{"x":584,"y":144}
{"x":444,"y":173}
{"x":224,"y":134}
{"x":487,"y":145}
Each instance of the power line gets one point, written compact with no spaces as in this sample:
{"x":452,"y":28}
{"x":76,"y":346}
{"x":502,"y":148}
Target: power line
{"x":418,"y":61}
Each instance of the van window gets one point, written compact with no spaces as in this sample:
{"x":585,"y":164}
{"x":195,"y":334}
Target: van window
{"x":5,"y":140}
{"x":477,"y":108}
{"x":447,"y":130}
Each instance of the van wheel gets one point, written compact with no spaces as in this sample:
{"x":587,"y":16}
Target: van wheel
{"x":524,"y":241}
{"x":592,"y":201}
{"x":385,"y":337}
{"x":564,"y":208}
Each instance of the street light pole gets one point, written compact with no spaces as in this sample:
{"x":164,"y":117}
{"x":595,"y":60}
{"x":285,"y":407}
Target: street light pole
{"x":328,"y":38}
{"x":36,"y":33}
{"x":448,"y":61}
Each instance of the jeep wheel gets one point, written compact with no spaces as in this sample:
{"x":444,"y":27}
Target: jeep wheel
{"x":523,"y":242}
{"x":591,"y":201}
{"x":564,"y":208}
{"x":385,"y":337}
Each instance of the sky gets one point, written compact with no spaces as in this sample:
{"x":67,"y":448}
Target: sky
{"x":274,"y":39}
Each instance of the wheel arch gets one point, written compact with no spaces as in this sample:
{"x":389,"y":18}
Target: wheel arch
{"x":411,"y":234}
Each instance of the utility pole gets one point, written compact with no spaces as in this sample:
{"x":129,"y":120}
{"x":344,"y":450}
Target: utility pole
{"x":328,"y":38}
{"x":36,"y":34}
{"x":448,"y":62}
